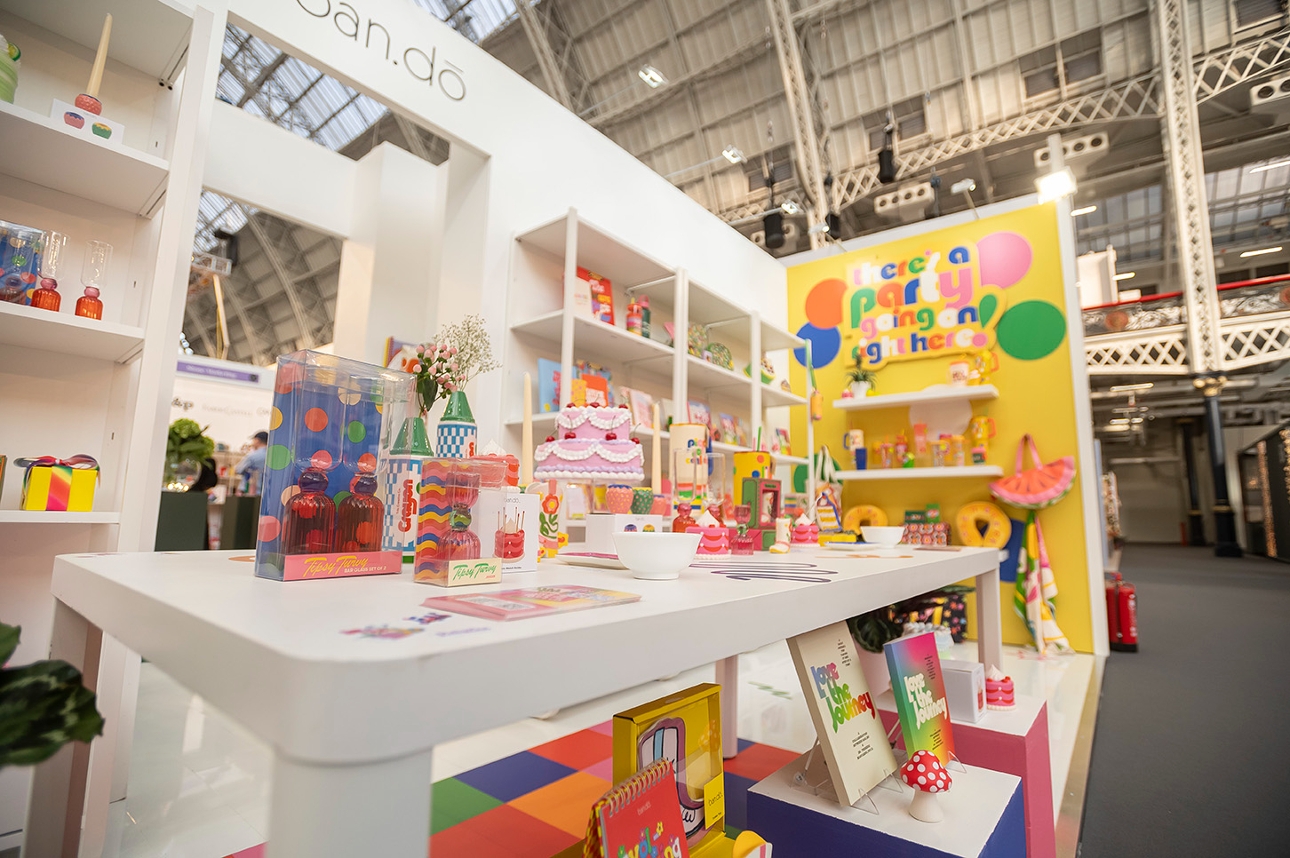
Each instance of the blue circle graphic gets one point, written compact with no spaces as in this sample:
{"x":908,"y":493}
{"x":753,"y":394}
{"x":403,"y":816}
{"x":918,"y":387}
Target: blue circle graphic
{"x":825,"y":344}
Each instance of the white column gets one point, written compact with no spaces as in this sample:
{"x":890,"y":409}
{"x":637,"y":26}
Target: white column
{"x":390,"y":263}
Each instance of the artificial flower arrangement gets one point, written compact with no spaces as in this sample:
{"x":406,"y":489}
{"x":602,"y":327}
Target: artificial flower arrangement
{"x":460,"y":353}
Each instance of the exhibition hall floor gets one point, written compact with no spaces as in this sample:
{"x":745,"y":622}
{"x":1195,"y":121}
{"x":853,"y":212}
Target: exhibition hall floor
{"x":199,"y":784}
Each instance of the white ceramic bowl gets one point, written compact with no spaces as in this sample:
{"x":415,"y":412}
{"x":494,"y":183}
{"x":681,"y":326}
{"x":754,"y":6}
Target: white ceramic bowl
{"x":656,"y":556}
{"x":883,"y":537}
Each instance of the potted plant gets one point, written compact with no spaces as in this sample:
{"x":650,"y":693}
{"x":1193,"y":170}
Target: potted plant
{"x":187,"y":446}
{"x":860,"y":379}
{"x":43,"y":706}
{"x":871,"y":630}
{"x":443,"y":368}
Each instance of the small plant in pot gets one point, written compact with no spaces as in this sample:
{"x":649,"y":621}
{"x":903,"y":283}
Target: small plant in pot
{"x":187,"y":446}
{"x":43,"y":706}
{"x":860,"y":379}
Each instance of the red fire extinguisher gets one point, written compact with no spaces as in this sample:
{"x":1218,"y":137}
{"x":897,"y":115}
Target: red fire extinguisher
{"x":1121,"y":613}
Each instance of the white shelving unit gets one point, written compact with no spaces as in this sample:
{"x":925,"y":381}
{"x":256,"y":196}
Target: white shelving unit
{"x":945,"y":473}
{"x":544,"y":324}
{"x":73,"y":385}
{"x":936,"y":393}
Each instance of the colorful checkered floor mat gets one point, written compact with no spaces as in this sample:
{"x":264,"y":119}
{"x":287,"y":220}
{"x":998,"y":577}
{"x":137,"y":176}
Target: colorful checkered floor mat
{"x":535,"y":804}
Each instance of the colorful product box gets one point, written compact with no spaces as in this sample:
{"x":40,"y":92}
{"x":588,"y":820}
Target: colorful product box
{"x":458,"y":542}
{"x":58,"y":485}
{"x":927,"y":534}
{"x":322,"y":513}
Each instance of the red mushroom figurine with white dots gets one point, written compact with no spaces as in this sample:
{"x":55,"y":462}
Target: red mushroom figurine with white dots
{"x":928,"y":777}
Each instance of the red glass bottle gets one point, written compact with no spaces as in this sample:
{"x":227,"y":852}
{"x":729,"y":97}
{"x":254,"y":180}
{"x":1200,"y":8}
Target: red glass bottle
{"x":360,"y":517}
{"x":683,"y":521}
{"x":89,"y":305}
{"x":47,"y":297}
{"x":309,"y":520}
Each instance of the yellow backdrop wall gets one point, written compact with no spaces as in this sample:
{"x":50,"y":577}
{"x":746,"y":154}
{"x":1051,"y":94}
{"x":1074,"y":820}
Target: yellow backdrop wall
{"x":1013,"y":264}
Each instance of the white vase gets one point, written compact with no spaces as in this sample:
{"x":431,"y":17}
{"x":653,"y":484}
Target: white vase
{"x":860,"y":389}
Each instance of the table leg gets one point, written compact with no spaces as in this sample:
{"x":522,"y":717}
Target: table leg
{"x":989,"y":620}
{"x":728,"y":679}
{"x":57,"y":797}
{"x":339,"y":811}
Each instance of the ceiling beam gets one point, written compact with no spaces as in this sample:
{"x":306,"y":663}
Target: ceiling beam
{"x":556,"y":86}
{"x":270,"y":251}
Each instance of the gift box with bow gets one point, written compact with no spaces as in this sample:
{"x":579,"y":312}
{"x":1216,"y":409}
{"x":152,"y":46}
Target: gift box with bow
{"x":61,"y":485}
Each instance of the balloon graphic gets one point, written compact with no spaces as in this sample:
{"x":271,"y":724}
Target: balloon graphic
{"x":1005,"y":258}
{"x":824,"y":303}
{"x":825,"y":344}
{"x":989,"y":304}
{"x":1031,"y":330}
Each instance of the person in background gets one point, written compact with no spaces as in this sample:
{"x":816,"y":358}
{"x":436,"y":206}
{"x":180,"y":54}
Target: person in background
{"x":251,"y":468}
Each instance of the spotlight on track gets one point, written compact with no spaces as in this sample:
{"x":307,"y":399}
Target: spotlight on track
{"x":887,"y":157}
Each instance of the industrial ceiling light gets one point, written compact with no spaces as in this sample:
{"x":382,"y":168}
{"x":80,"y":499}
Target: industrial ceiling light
{"x":886,"y":156}
{"x":789,"y":207}
{"x":1261,"y":252}
{"x":820,"y":228}
{"x":1083,"y":211}
{"x":652,"y":76}
{"x":1128,"y":275}
{"x":1055,"y":185}
{"x":1263,"y":168}
{"x":733,"y":155}
{"x":1125,"y":388}
{"x":963,"y":186}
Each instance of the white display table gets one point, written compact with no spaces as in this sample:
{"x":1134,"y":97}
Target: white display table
{"x":353,"y":720}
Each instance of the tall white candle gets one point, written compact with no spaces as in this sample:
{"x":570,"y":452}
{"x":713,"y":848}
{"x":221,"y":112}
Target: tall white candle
{"x":526,"y":452}
{"x":656,"y":470}
{"x":100,"y":59}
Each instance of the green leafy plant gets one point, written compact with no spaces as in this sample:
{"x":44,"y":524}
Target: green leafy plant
{"x":43,"y":706}
{"x":858,"y":374}
{"x":187,"y":442}
{"x":873,"y":629}
{"x":458,"y":354}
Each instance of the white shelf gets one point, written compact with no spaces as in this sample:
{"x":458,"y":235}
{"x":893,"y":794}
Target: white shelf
{"x":66,"y":333}
{"x":594,"y":339}
{"x":151,"y":37}
{"x":935,"y":393}
{"x":709,"y":376}
{"x":45,"y":152}
{"x":921,"y":473}
{"x":772,"y":396}
{"x":22,"y":516}
{"x":782,"y":459}
{"x":598,"y":252}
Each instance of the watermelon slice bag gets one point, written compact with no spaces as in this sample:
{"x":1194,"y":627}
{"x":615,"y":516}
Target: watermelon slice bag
{"x":1040,"y":485}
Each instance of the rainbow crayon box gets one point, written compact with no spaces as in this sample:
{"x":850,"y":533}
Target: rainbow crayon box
{"x":322,"y":506}
{"x":58,"y":485}
{"x":461,"y":540}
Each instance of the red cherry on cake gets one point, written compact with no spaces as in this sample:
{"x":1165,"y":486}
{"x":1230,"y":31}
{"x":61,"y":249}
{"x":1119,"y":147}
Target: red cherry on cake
{"x":569,"y":435}
{"x":611,"y":436}
{"x":550,"y":438}
{"x":622,"y":405}
{"x":636,"y":440}
{"x":594,"y":404}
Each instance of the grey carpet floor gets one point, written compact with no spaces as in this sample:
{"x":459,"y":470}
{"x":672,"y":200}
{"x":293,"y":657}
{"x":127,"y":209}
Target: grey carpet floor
{"x":1192,"y":750}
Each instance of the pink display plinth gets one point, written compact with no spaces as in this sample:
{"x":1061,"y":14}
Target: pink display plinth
{"x":1015,"y":742}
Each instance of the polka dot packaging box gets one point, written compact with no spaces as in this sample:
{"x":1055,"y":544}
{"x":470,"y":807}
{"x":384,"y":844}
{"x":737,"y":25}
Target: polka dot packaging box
{"x":322,"y":509}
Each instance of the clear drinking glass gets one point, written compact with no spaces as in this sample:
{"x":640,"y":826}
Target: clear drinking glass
{"x":93,"y":273}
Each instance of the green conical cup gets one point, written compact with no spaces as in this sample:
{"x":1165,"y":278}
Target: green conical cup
{"x":458,"y":409}
{"x":412,"y":440}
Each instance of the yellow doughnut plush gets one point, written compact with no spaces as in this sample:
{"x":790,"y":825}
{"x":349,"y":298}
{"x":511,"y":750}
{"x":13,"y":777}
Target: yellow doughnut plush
{"x":859,"y":516}
{"x":998,"y":528}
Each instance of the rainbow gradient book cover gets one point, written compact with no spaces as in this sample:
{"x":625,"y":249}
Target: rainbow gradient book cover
{"x":919,"y":688}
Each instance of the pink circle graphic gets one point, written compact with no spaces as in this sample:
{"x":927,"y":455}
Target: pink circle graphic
{"x":979,"y":340}
{"x":268,"y":528}
{"x":1005,"y":258}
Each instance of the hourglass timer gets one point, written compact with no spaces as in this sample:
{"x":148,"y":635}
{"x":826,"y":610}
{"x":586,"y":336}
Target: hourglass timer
{"x":52,"y":255}
{"x":97,"y":256}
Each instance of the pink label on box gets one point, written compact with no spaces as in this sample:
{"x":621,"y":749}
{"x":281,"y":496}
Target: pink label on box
{"x":342,"y":565}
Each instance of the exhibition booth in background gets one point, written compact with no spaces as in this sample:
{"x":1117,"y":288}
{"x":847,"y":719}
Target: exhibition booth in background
{"x":528,"y":195}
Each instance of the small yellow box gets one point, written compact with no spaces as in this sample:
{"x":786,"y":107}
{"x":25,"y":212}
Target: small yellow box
{"x":58,"y":485}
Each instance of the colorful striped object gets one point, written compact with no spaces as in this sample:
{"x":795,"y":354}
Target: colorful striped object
{"x":433,"y":515}
{"x":59,"y":485}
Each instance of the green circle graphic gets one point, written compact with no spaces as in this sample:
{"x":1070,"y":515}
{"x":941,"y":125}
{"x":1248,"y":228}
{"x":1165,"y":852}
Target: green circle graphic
{"x":278,"y":457}
{"x":357,"y":431}
{"x":1031,"y":330}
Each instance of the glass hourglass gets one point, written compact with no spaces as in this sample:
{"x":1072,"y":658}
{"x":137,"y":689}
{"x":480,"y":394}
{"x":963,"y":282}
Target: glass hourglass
{"x":52,"y":256}
{"x":93,"y":272}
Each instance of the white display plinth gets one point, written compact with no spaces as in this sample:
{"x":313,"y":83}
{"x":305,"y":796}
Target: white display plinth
{"x":983,"y":819}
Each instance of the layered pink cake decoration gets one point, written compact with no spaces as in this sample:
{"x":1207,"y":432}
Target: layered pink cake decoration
{"x":714,"y":536}
{"x":999,"y":691}
{"x":591,"y":443}
{"x":806,"y":532}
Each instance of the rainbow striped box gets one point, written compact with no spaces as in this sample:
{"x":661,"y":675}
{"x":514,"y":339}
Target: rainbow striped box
{"x":56,"y":485}
{"x":455,"y":544}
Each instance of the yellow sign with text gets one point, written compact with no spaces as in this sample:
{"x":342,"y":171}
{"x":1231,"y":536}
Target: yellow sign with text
{"x":909,"y":308}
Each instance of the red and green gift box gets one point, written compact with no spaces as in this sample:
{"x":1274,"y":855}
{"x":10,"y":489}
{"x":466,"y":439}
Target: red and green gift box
{"x":59,"y":485}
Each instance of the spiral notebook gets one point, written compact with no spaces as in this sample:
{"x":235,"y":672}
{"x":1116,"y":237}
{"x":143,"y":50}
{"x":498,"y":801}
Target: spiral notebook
{"x":641,"y":816}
